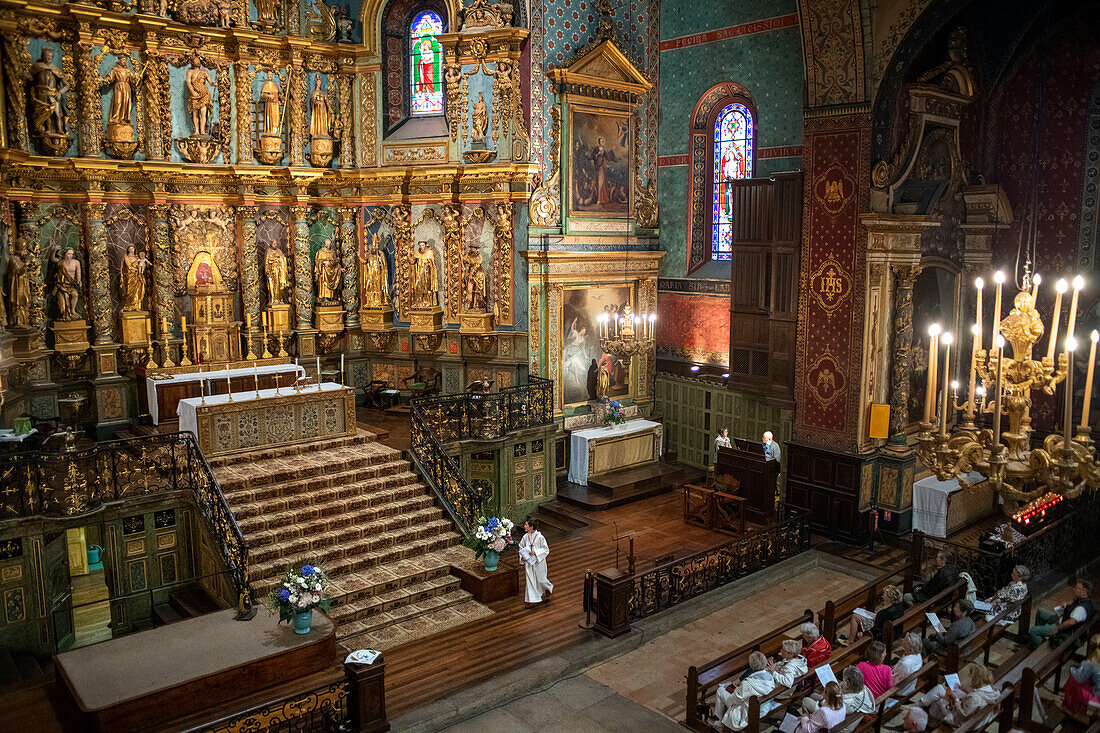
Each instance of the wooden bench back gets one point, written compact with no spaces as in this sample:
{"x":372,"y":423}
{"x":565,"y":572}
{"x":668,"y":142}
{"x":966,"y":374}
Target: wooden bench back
{"x":985,"y":634}
{"x":866,"y":596}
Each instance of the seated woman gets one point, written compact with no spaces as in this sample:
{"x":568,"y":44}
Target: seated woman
{"x":854,"y":693}
{"x":1082,"y":689}
{"x":791,"y":664}
{"x":950,"y":707}
{"x":829,"y":713}
{"x":1014,"y":592}
{"x":862,"y":621}
{"x":731,"y":704}
{"x":815,"y":647}
{"x":876,"y":672}
{"x":909,"y":662}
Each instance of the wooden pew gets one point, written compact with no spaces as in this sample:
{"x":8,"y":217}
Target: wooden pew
{"x":999,"y":712}
{"x":866,"y":596}
{"x":986,"y":634}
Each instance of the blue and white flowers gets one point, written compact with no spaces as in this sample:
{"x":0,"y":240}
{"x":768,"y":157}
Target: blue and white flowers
{"x":301,"y":589}
{"x":491,"y":534}
{"x":615,"y":413}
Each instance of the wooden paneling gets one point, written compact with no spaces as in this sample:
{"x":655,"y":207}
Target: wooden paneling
{"x":767,"y":224}
{"x":826,"y":484}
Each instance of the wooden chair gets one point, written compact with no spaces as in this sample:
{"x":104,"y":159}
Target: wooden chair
{"x":372,"y":393}
{"x":424,"y":382}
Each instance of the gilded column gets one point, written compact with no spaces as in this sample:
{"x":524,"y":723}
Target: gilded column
{"x":452,"y":261}
{"x":368,"y":120}
{"x":347,"y":122}
{"x":504,"y":241}
{"x":349,"y":246}
{"x":28,"y":230}
{"x":245,"y":75}
{"x":401,"y":220}
{"x":162,"y":270}
{"x":87,"y":94}
{"x":303,"y":268}
{"x":95,"y":234}
{"x":297,"y":114}
{"x":17,"y":61}
{"x":250,"y":275}
{"x":905,"y":276}
{"x":151,"y":97}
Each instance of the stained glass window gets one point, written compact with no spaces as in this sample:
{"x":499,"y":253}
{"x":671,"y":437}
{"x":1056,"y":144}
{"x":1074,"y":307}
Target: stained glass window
{"x":733,"y":155}
{"x":425,"y":65}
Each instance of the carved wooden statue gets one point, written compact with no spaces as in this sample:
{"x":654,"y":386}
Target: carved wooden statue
{"x":375,"y":276}
{"x":269,"y":98}
{"x":275,"y":271}
{"x":133,"y":279}
{"x":19,"y":285}
{"x":199,"y":101}
{"x":327,"y":272}
{"x":473,"y":280}
{"x":122,"y":80}
{"x":47,"y":98}
{"x":320,"y":120}
{"x":67,"y":283}
{"x":424,"y":277}
{"x":480,"y":118}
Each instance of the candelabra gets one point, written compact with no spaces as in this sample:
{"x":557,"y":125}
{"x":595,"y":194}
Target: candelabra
{"x":1019,"y":473}
{"x":627,"y":335}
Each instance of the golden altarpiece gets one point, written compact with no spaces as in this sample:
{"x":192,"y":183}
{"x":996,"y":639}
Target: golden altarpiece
{"x":207,"y":183}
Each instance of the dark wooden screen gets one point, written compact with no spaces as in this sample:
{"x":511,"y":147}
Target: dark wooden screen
{"x":767,"y":230}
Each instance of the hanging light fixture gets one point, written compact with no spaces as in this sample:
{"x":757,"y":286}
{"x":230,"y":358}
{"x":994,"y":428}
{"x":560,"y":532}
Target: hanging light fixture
{"x":629,"y":334}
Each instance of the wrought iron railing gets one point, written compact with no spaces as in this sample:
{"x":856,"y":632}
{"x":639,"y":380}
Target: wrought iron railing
{"x":486,"y":416}
{"x":680,"y":580}
{"x":70,"y":483}
{"x":1063,"y":545}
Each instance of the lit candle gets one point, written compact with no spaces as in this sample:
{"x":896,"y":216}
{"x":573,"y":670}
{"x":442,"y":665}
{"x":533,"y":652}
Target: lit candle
{"x":1088,"y":379}
{"x":1078,"y":284}
{"x":1035,"y":281}
{"x":1000,"y":343}
{"x":1060,"y":287}
{"x":930,"y":390}
{"x":1071,"y":346}
{"x":183,"y":323}
{"x":976,"y":330}
{"x":947,"y":340}
{"x":999,"y":278}
{"x":342,"y":380}
{"x":318,"y":374}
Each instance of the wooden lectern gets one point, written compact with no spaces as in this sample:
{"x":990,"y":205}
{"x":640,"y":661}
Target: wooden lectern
{"x":757,"y":477}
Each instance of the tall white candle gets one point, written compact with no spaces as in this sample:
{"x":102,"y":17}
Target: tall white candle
{"x":1078,"y":284}
{"x":1059,"y":288}
{"x":1095,"y":336}
{"x":342,"y":380}
{"x":947,"y":340}
{"x":318,"y":374}
{"x":999,"y":278}
{"x":930,"y":389}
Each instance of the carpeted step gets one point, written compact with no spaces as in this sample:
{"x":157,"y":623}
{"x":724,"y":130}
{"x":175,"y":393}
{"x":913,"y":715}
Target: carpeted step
{"x":353,"y":496}
{"x":416,"y":627}
{"x":243,"y":490}
{"x":320,"y":518}
{"x":291,"y":468}
{"x":425,"y":595}
{"x":325,"y":444}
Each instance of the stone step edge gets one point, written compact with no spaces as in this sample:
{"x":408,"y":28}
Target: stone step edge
{"x":267,"y":506}
{"x":438,"y":567}
{"x":349,"y":643}
{"x":298,"y":485}
{"x":269,"y":477}
{"x":254,"y":568}
{"x":364,"y":602}
{"x":248,"y":530}
{"x":361,"y":436}
{"x":292,"y":541}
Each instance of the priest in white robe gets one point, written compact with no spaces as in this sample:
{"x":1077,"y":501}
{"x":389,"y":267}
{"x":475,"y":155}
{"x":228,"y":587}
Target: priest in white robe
{"x":533,"y":551}
{"x":731,"y":703}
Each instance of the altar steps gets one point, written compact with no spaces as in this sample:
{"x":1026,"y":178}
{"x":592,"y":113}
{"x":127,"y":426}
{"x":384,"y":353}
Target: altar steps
{"x":355,"y":506}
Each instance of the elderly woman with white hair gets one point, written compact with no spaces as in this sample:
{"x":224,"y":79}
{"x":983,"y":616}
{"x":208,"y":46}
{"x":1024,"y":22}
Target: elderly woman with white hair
{"x":815,"y":647}
{"x":910,"y":661}
{"x":731,"y":704}
{"x":791,"y":664}
{"x":1014,"y":592}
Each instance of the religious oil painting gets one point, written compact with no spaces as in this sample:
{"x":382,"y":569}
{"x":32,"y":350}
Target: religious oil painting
{"x":582,"y":356}
{"x":601,"y":162}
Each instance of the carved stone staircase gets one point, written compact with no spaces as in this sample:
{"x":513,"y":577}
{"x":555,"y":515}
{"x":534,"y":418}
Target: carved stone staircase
{"x":354,"y":505}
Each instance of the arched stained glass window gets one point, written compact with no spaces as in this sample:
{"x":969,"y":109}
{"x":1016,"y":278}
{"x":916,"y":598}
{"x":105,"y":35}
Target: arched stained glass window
{"x":425,"y":65}
{"x":733,"y":157}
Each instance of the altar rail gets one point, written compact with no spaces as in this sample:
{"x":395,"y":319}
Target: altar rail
{"x":482,"y":416}
{"x":621,"y":598}
{"x":70,"y":483}
{"x":1063,"y":545}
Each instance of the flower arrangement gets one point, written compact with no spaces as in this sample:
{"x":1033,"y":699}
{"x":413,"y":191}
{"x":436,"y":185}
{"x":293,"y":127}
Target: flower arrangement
{"x":491,"y":534}
{"x":615,"y":414}
{"x":302,"y":589}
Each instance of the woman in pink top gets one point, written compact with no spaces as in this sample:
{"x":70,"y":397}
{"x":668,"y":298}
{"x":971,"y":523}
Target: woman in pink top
{"x":831,"y":712}
{"x":876,"y":674}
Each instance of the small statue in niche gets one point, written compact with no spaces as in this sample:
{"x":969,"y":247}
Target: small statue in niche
{"x":275,"y":271}
{"x":327,"y":273}
{"x":375,"y":276}
{"x":67,"y":282}
{"x":266,"y":13}
{"x":473,"y":279}
{"x":120,"y":140}
{"x":269,"y":98}
{"x":19,"y":285}
{"x":343,"y":25}
{"x":480,"y":118}
{"x":47,"y":103}
{"x":199,"y":101}
{"x":133,"y":279}
{"x":424,"y":277}
{"x":320,"y":119}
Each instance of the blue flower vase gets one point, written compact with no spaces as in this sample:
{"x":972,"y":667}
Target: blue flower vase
{"x":302,"y":622}
{"x":492,"y":557}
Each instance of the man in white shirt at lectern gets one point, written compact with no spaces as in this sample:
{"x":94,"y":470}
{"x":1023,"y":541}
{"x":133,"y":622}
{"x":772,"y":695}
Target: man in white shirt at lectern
{"x":533,"y":551}
{"x":771,"y":448}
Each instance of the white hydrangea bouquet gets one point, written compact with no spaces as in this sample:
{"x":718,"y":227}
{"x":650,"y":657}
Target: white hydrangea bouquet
{"x":302,"y":589}
{"x":491,"y":534}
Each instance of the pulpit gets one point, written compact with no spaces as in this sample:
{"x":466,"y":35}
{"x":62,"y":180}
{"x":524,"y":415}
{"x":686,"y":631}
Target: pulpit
{"x":757,"y":476}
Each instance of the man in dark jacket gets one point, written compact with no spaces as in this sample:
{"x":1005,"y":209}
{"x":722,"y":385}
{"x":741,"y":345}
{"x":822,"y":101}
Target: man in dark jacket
{"x":1080,"y":609}
{"x":946,"y":575}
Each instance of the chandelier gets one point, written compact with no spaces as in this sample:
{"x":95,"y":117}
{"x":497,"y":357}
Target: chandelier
{"x":1004,"y":458}
{"x":627,"y":335}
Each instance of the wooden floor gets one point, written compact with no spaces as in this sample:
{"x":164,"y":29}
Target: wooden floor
{"x":424,"y":671}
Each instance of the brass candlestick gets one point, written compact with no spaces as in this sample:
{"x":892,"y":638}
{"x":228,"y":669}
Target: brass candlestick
{"x":276,"y":383}
{"x":168,"y":353}
{"x":251,"y":356}
{"x":149,"y":350}
{"x":184,"y":361}
{"x":282,"y":344}
{"x":267,"y":352}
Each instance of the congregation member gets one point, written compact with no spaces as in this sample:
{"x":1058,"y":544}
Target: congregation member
{"x":944,"y":577}
{"x":731,"y":703}
{"x":829,"y":713}
{"x":909,"y":662}
{"x":854,"y":693}
{"x":1048,"y":623}
{"x":533,"y":551}
{"x":863,"y":621}
{"x":961,"y":626}
{"x":791,"y":664}
{"x":1014,"y":592}
{"x":815,"y":647}
{"x":915,"y":720}
{"x":877,"y":674}
{"x":1081,"y":693}
{"x":950,"y":707}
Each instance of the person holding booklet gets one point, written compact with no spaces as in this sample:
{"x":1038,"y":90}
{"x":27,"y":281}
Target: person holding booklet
{"x":830,"y":712}
{"x":533,"y":551}
{"x":862,"y":621}
{"x":960,"y":628}
{"x":954,"y":701}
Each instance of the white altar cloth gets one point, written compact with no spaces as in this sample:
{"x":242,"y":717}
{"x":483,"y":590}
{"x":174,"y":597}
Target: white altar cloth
{"x":151,"y":385}
{"x":188,"y":410}
{"x":930,"y":502}
{"x":578,"y":445}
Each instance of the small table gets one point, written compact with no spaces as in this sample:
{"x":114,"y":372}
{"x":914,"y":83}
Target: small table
{"x":601,"y":450}
{"x":931,"y":499}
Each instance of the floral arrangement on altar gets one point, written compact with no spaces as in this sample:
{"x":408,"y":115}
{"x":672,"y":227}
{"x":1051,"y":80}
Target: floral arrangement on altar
{"x":615,"y":414}
{"x":302,"y":590}
{"x":491,"y":535}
